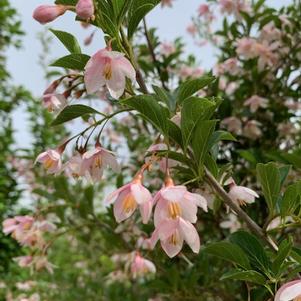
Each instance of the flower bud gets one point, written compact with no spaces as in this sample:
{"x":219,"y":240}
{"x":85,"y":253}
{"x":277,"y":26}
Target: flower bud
{"x":85,"y":9}
{"x":48,"y":13}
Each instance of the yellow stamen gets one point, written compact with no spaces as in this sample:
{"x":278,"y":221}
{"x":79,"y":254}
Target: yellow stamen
{"x":107,"y":71}
{"x":173,"y":239}
{"x":298,"y":298}
{"x":174,"y":210}
{"x":48,"y":163}
{"x":129,"y":203}
{"x":98,"y":161}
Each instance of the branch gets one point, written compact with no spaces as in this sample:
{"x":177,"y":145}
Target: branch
{"x":241,"y":214}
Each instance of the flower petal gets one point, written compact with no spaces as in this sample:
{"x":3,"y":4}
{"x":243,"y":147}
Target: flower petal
{"x":140,"y":193}
{"x":190,"y":235}
{"x":173,"y":193}
{"x":289,"y":291}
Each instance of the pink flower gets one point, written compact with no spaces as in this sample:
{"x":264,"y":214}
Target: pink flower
{"x":229,"y":66}
{"x":172,"y":233}
{"x":24,"y":261}
{"x":192,"y":29}
{"x":252,"y":129}
{"x":290,"y":291}
{"x":242,"y":195}
{"x":203,"y":9}
{"x":167,"y":48}
{"x":247,"y":47}
{"x":232,"y":223}
{"x":177,"y":119}
{"x":128,"y":197}
{"x":48,"y":13}
{"x":141,"y":266}
{"x":17,"y":225}
{"x":166,"y":3}
{"x":51,"y":160}
{"x":175,"y":201}
{"x":108,"y":68}
{"x":73,"y":168}
{"x":85,"y":9}
{"x":54,"y":102}
{"x":255,"y":102}
{"x":233,"y":124}
{"x":95,"y":161}
{"x":41,"y":262}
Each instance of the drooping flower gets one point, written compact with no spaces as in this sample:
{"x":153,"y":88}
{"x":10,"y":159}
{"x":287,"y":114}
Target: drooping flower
{"x":110,"y":68}
{"x":255,"y":102}
{"x":203,"y":9}
{"x":172,"y":233}
{"x":167,"y":48}
{"x":73,"y":168}
{"x":232,"y":223}
{"x":96,"y":160}
{"x":166,"y":3}
{"x":128,"y":197}
{"x":246,"y":47}
{"x":41,"y":262}
{"x":54,"y":102}
{"x":51,"y":160}
{"x":252,"y":129}
{"x":17,"y":225}
{"x":290,"y":291}
{"x":175,"y":201}
{"x":141,"y":267}
{"x":48,"y":13}
{"x":85,"y":9}
{"x":242,"y":195}
{"x":23,"y":261}
{"x":233,"y":124}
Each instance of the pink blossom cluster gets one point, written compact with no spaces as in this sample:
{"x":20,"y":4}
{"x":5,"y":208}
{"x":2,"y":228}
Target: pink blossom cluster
{"x":30,"y":232}
{"x":234,"y":7}
{"x":89,"y":164}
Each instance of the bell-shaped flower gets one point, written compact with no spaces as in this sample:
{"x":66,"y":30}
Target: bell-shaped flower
{"x":141,"y":267}
{"x":127,"y":198}
{"x":73,"y":167}
{"x":108,"y":68}
{"x":172,"y":233}
{"x":290,"y":291}
{"x":242,"y":195}
{"x":23,"y":261}
{"x":175,"y":201}
{"x":48,"y":13}
{"x":95,"y":161}
{"x":85,"y":9}
{"x":17,"y":225}
{"x":51,"y":160}
{"x":54,"y":102}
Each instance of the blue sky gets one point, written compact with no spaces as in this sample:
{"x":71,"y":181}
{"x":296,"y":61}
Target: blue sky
{"x":23,"y":64}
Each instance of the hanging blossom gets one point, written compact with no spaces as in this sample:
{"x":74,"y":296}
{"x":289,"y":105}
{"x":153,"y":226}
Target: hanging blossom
{"x":108,"y":68}
{"x":290,"y":291}
{"x":85,"y":9}
{"x":127,"y":198}
{"x":51,"y":160}
{"x":241,"y":195}
{"x":176,"y":210}
{"x":95,"y":161}
{"x":141,"y":267}
{"x":255,"y":102}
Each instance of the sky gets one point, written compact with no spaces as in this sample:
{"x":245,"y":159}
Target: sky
{"x":25,"y":69}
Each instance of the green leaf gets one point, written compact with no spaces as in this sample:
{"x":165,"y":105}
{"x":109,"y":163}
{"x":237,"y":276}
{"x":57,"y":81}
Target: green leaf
{"x":284,"y":170}
{"x":230,"y":252}
{"x":174,"y":132}
{"x":68,"y":40}
{"x":219,"y":136}
{"x":200,"y":140}
{"x":291,"y":199}
{"x":269,"y":177}
{"x":249,"y":276}
{"x":151,"y":110}
{"x":252,"y":247}
{"x":66,"y":2}
{"x":120,"y":8}
{"x":194,"y":109}
{"x":72,"y":112}
{"x":138,"y":10}
{"x":191,"y":86}
{"x":75,"y":61}
{"x":283,"y":252}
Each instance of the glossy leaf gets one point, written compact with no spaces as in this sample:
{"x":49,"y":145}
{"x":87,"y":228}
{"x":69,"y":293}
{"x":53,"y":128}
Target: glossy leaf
{"x":229,"y":252}
{"x":68,"y":40}
{"x":75,"y":61}
{"x":72,"y":112}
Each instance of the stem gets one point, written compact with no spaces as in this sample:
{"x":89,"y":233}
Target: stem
{"x":241,"y":214}
{"x":153,"y":55}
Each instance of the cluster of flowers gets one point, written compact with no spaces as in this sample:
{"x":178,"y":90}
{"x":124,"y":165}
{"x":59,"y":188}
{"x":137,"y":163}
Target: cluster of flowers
{"x":30,"y":232}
